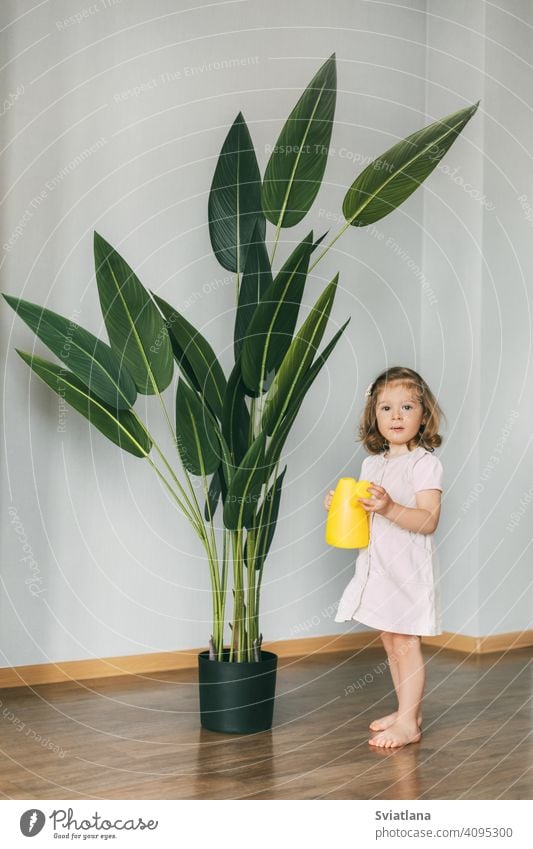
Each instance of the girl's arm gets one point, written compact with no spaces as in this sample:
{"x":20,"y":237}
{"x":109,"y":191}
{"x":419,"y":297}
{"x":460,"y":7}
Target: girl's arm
{"x":422,"y":519}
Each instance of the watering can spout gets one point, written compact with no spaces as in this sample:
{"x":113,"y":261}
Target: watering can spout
{"x":347,"y":525}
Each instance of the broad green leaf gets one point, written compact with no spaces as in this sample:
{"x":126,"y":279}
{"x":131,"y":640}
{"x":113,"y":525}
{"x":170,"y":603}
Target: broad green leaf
{"x":90,"y":359}
{"x":298,"y":358}
{"x":179,"y":354}
{"x":282,"y":431}
{"x":235,"y":198}
{"x":137,"y":332}
{"x":245,"y":487}
{"x":296,"y":166}
{"x":217,"y":487}
{"x":320,"y":239}
{"x":270,"y":330}
{"x":196,"y":432}
{"x":256,"y":279}
{"x":235,"y":428}
{"x":196,"y":357}
{"x":235,"y":416}
{"x":120,"y":426}
{"x":394,"y":176}
{"x":267,"y":528}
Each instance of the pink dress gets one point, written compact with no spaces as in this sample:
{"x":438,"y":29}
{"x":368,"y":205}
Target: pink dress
{"x":396,"y":581}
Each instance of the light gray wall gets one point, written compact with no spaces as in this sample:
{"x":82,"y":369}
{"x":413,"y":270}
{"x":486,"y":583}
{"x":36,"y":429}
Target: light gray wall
{"x":120,"y":571}
{"x":477,"y":247}
{"x":451,"y":354}
{"x":505,"y":468}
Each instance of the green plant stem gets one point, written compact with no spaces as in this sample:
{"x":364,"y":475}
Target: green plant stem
{"x":175,"y":496}
{"x":276,"y":239}
{"x":218,"y":625}
{"x":237,"y":600}
{"x":167,"y":417}
{"x":194,"y":507}
{"x":175,"y":479}
{"x":326,"y":249}
{"x":232,"y":641}
{"x":213,"y":564}
{"x":263,"y":549}
{"x":212,"y":552}
{"x":241,"y":632}
{"x":251,"y":624}
{"x":195,"y":517}
{"x":191,"y":518}
{"x":224,"y":586}
{"x":251,"y":429}
{"x":217,"y":598}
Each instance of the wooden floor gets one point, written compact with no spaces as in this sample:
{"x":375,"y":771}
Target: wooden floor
{"x":140,"y":737}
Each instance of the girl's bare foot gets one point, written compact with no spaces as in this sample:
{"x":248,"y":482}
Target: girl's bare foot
{"x":400,"y":733}
{"x":386,"y":721}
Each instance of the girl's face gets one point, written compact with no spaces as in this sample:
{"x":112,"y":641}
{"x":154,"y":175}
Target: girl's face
{"x":399,"y":414}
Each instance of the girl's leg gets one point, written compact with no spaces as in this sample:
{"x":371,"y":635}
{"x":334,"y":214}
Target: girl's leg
{"x":405,"y":728}
{"x":387,"y":639}
{"x":412,"y":676}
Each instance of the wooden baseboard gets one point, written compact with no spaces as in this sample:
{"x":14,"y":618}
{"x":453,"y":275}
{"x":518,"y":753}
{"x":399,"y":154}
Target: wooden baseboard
{"x":140,"y":664}
{"x":482,"y":645}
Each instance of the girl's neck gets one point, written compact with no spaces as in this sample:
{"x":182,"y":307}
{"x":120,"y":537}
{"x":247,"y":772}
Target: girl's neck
{"x":398,"y":453}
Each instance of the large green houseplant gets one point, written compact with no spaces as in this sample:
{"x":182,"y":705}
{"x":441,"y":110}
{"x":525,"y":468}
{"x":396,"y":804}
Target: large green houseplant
{"x":230,"y":430}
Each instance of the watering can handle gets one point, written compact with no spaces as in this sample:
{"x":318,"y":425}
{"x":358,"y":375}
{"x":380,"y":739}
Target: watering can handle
{"x":355,"y":498}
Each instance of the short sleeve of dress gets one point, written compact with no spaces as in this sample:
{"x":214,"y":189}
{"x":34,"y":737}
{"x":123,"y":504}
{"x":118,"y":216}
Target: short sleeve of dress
{"x":364,"y":466}
{"x":427,"y":473}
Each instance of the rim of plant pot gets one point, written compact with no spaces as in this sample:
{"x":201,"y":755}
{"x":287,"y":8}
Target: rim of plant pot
{"x":266,"y":657}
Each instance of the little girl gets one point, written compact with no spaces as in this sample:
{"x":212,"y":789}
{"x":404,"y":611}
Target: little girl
{"x":395,"y":586}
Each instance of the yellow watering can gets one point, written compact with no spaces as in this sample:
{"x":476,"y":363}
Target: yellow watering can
{"x":347,"y":525}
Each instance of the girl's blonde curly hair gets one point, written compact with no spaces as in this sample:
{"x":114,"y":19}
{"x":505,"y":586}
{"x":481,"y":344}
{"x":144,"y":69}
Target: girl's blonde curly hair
{"x":428,"y":436}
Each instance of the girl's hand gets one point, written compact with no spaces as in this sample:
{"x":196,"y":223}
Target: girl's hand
{"x":327,"y":499}
{"x":381,"y":502}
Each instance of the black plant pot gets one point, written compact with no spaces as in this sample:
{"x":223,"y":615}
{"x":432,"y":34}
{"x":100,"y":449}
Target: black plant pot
{"x":237,"y":697}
